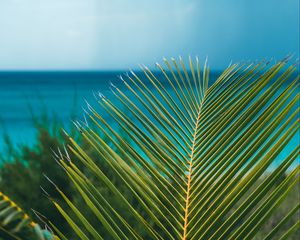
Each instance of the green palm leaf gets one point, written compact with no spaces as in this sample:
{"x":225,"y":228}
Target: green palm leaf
{"x":197,"y":161}
{"x":17,"y":225}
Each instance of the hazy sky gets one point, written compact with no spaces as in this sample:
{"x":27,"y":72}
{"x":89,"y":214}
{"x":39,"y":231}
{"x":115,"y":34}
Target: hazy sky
{"x":119,"y":34}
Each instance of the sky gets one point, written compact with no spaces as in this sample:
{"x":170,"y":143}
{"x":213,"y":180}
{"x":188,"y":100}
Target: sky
{"x":120,"y":34}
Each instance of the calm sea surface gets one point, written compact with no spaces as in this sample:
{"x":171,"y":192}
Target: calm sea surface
{"x":55,"y":93}
{"x":59,"y":93}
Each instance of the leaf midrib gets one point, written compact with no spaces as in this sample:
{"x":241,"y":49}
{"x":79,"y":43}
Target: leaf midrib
{"x":189,"y":174}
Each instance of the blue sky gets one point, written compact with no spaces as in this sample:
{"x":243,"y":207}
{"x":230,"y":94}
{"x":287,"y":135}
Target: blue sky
{"x":119,"y":34}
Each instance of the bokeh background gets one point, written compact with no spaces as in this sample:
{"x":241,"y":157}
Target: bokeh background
{"x":117,"y":34}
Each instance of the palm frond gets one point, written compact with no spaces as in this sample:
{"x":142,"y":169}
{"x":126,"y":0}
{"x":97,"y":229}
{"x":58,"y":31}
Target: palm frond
{"x":17,"y":225}
{"x":204,"y":160}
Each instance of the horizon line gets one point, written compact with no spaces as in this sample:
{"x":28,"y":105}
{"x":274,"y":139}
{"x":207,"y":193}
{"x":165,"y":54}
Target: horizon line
{"x":82,"y":70}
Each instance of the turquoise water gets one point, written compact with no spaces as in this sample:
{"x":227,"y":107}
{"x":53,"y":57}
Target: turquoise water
{"x":59,"y":93}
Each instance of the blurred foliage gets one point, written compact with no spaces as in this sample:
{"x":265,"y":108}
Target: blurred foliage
{"x":25,"y":168}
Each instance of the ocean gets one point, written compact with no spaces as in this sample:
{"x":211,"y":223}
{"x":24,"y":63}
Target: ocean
{"x":60,"y":94}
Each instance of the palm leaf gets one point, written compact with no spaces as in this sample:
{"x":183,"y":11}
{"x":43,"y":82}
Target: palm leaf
{"x":200,"y":163}
{"x":17,"y":225}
